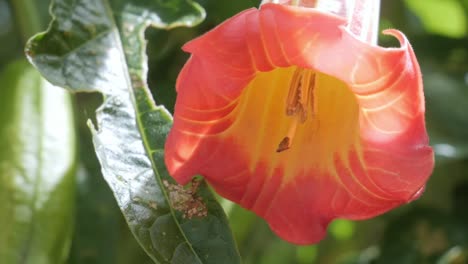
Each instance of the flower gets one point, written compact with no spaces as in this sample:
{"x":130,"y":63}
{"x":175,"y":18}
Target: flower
{"x":287,"y":112}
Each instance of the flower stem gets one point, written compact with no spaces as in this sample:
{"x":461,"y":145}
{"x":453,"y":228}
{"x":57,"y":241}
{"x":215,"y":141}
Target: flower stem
{"x":362,"y":16}
{"x":27,"y":17}
{"x":364,"y":19}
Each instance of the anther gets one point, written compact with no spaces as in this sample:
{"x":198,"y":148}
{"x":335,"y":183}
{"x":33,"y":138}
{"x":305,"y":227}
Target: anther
{"x":294,"y":95}
{"x":283,"y":145}
{"x":300,"y":98}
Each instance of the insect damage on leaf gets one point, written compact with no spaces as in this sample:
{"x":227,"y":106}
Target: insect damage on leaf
{"x":186,"y":200}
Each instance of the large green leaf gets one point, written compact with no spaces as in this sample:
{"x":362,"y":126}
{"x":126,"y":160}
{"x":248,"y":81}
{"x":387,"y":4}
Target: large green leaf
{"x":96,"y":235}
{"x":101,"y":234}
{"x":37,"y":161}
{"x":97,"y":45}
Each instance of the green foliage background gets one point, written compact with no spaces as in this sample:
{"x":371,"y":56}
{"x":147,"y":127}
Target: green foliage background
{"x":433,"y":229}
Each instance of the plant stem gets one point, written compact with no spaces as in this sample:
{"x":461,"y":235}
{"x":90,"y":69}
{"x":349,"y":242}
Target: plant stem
{"x":362,"y":16}
{"x":364,"y":19}
{"x":27,"y":18}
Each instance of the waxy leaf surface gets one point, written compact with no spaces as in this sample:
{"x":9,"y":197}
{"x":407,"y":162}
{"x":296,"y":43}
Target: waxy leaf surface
{"x":98,"y":46}
{"x":37,"y":168}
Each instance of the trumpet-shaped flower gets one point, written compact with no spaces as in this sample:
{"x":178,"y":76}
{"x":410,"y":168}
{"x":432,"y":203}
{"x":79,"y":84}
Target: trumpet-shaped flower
{"x":292,"y":113}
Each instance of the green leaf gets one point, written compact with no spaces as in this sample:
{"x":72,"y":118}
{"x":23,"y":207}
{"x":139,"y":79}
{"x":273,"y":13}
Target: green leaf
{"x":445,"y":18}
{"x":342,"y":229}
{"x":96,"y":233}
{"x":424,"y":235}
{"x":37,"y":165}
{"x":447,"y":101}
{"x":101,"y":235}
{"x":306,"y":254}
{"x":97,"y":45}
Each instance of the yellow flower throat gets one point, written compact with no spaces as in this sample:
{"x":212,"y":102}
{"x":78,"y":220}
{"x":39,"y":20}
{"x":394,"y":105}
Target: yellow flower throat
{"x":294,"y":119}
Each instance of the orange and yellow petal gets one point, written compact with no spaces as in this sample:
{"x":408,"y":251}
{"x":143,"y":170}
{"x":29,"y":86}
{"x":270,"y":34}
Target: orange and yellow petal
{"x":361,"y":151}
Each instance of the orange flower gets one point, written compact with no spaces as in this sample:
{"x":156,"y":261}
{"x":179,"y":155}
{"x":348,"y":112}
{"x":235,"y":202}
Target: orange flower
{"x":286,"y":111}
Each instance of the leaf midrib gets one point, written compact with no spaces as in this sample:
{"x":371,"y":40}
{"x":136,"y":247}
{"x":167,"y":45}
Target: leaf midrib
{"x":38,"y":175}
{"x":140,"y":126}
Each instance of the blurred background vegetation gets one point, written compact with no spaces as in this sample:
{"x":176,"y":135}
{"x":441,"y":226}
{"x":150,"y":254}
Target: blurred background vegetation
{"x":433,"y":229}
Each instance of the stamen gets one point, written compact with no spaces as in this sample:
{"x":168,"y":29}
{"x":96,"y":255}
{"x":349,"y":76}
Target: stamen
{"x":299,"y":103}
{"x":307,"y":94}
{"x":294,"y":94}
{"x":300,"y":98}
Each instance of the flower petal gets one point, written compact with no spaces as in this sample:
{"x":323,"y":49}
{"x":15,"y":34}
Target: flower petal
{"x":365,"y":152}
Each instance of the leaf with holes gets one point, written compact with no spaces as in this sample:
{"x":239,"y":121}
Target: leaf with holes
{"x":98,"y":46}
